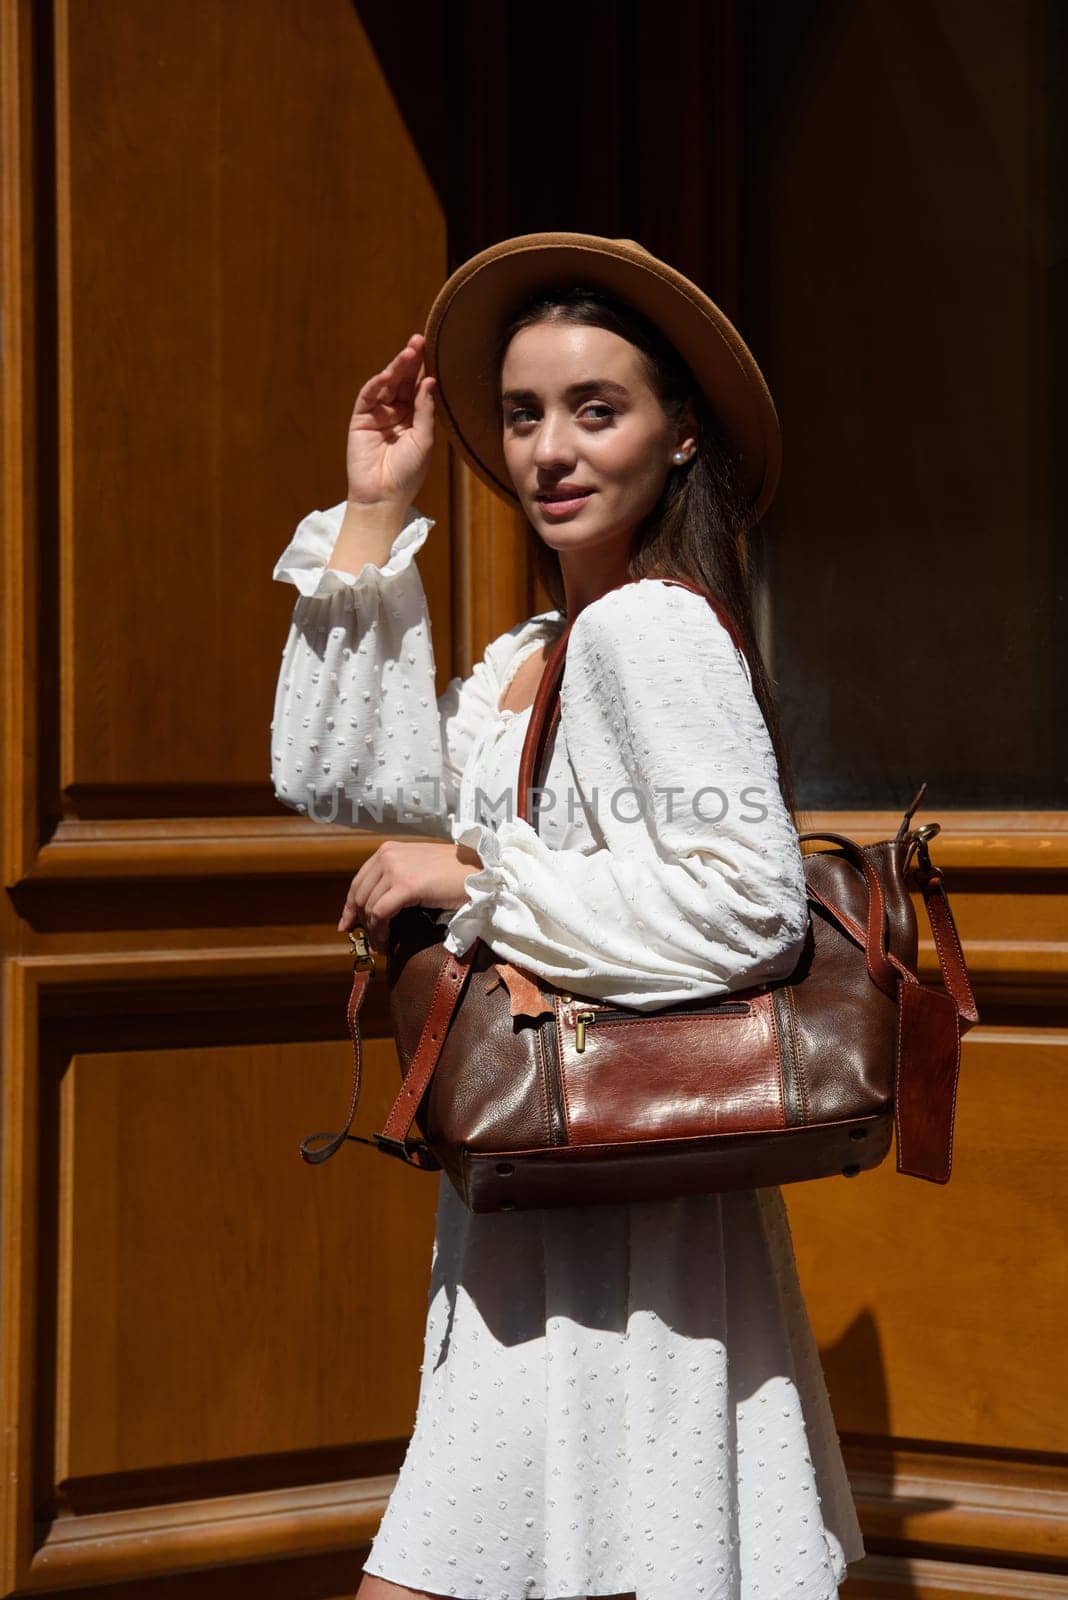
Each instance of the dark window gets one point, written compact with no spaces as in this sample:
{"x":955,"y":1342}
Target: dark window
{"x":903,"y":286}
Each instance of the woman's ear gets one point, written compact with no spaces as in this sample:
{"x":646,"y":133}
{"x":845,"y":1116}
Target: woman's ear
{"x":687,"y":432}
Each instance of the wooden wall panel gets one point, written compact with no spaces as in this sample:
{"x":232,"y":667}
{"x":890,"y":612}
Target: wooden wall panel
{"x":939,"y":1310}
{"x":497,"y":585}
{"x":212,"y":1350}
{"x":245,"y":232}
{"x":221,"y":1299}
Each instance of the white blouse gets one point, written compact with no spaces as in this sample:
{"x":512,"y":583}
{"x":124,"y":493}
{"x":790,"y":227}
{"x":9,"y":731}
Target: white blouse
{"x":664,"y":866}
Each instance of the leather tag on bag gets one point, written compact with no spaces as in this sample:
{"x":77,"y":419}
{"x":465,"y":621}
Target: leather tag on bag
{"x":525,"y":998}
{"x":928,"y":1065}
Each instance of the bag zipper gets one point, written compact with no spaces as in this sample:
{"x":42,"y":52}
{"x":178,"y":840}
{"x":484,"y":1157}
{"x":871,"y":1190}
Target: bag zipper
{"x":581,"y":1020}
{"x":554,"y":1087}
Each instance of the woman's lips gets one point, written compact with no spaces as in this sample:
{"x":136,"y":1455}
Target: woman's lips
{"x":557,"y":508}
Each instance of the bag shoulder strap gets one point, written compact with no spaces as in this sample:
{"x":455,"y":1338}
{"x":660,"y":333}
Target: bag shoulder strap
{"x":545,"y":712}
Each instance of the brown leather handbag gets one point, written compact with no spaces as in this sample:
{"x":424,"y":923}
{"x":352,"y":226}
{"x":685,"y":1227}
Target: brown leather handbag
{"x":529,"y":1097}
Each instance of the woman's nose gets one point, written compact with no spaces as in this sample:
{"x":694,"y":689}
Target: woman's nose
{"x":552,"y":447}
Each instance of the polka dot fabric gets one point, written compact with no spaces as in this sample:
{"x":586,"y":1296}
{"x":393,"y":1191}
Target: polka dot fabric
{"x":620,"y":1399}
{"x":613,"y":1399}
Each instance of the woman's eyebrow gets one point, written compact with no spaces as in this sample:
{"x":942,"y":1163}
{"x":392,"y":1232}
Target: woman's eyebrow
{"x":574,"y":391}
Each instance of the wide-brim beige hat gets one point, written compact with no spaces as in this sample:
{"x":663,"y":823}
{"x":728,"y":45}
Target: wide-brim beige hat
{"x":482,"y":296}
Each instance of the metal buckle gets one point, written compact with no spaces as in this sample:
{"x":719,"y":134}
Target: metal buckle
{"x":361,"y":950}
{"x":918,"y":840}
{"x":397,"y":1147}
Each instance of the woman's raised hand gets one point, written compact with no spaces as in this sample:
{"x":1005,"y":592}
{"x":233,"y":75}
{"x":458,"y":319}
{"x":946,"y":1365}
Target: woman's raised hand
{"x":392,"y":431}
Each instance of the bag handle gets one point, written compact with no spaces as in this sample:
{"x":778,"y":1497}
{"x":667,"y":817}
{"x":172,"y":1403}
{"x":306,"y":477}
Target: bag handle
{"x":930,"y":881}
{"x":880,"y":969}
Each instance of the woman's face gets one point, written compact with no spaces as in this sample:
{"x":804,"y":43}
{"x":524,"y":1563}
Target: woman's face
{"x":587,"y":442}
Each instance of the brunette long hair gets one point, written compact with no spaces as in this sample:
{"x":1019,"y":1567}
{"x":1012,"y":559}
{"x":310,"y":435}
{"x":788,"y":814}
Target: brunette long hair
{"x":693,"y":530}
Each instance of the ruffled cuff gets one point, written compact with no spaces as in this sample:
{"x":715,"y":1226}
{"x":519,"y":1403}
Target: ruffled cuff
{"x":484,"y":886}
{"x":303,"y":561}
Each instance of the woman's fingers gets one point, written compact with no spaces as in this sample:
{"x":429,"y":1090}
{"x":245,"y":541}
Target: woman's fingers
{"x":361,"y":890}
{"x":372,"y":908}
{"x":395,"y":384}
{"x":408,"y":369}
{"x":378,"y":392}
{"x":386,"y":902}
{"x":407,"y":379}
{"x":423,"y":413}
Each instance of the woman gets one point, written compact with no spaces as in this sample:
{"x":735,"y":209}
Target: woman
{"x":622,"y":1399}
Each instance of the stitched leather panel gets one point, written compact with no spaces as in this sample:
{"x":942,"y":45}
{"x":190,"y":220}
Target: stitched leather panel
{"x":697,"y":1075}
{"x":792,"y":1078}
{"x":843,"y":1027}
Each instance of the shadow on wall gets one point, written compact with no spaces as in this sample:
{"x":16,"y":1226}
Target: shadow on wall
{"x":855,"y":1369}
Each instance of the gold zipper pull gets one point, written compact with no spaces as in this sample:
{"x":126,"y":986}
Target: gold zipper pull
{"x":581,"y":1019}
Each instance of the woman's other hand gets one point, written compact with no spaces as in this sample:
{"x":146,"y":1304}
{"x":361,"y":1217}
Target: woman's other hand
{"x":392,"y":432}
{"x":403,"y":873}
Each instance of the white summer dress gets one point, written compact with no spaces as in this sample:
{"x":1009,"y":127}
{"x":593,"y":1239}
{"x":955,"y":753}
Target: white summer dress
{"x":614,"y":1399}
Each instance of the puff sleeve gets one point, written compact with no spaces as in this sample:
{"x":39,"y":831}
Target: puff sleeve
{"x":359,"y":735}
{"x":696,"y":886}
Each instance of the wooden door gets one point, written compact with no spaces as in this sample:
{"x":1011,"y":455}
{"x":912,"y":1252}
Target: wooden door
{"x":216,"y":224}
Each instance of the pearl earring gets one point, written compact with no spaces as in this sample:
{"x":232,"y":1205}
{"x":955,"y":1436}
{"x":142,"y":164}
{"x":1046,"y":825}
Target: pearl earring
{"x":679,"y":457}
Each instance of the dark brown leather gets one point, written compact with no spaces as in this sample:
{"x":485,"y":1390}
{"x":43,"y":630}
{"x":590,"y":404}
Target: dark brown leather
{"x":595,"y":1174}
{"x":777,"y":1083}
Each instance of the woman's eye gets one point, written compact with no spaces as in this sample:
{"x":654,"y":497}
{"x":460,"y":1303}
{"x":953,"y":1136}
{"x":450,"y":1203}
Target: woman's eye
{"x":594,"y":411}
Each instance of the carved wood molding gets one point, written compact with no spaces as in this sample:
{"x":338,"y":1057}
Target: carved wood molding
{"x":969,"y":841}
{"x":1022,"y":1504}
{"x":885,"y":1577}
{"x":1015,"y":843}
{"x":204,"y":848}
{"x":989,"y":1505}
{"x":154,"y":1541}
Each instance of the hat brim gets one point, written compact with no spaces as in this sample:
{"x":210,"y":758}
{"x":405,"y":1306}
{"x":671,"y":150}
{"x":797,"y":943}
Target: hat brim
{"x":481,"y":297}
